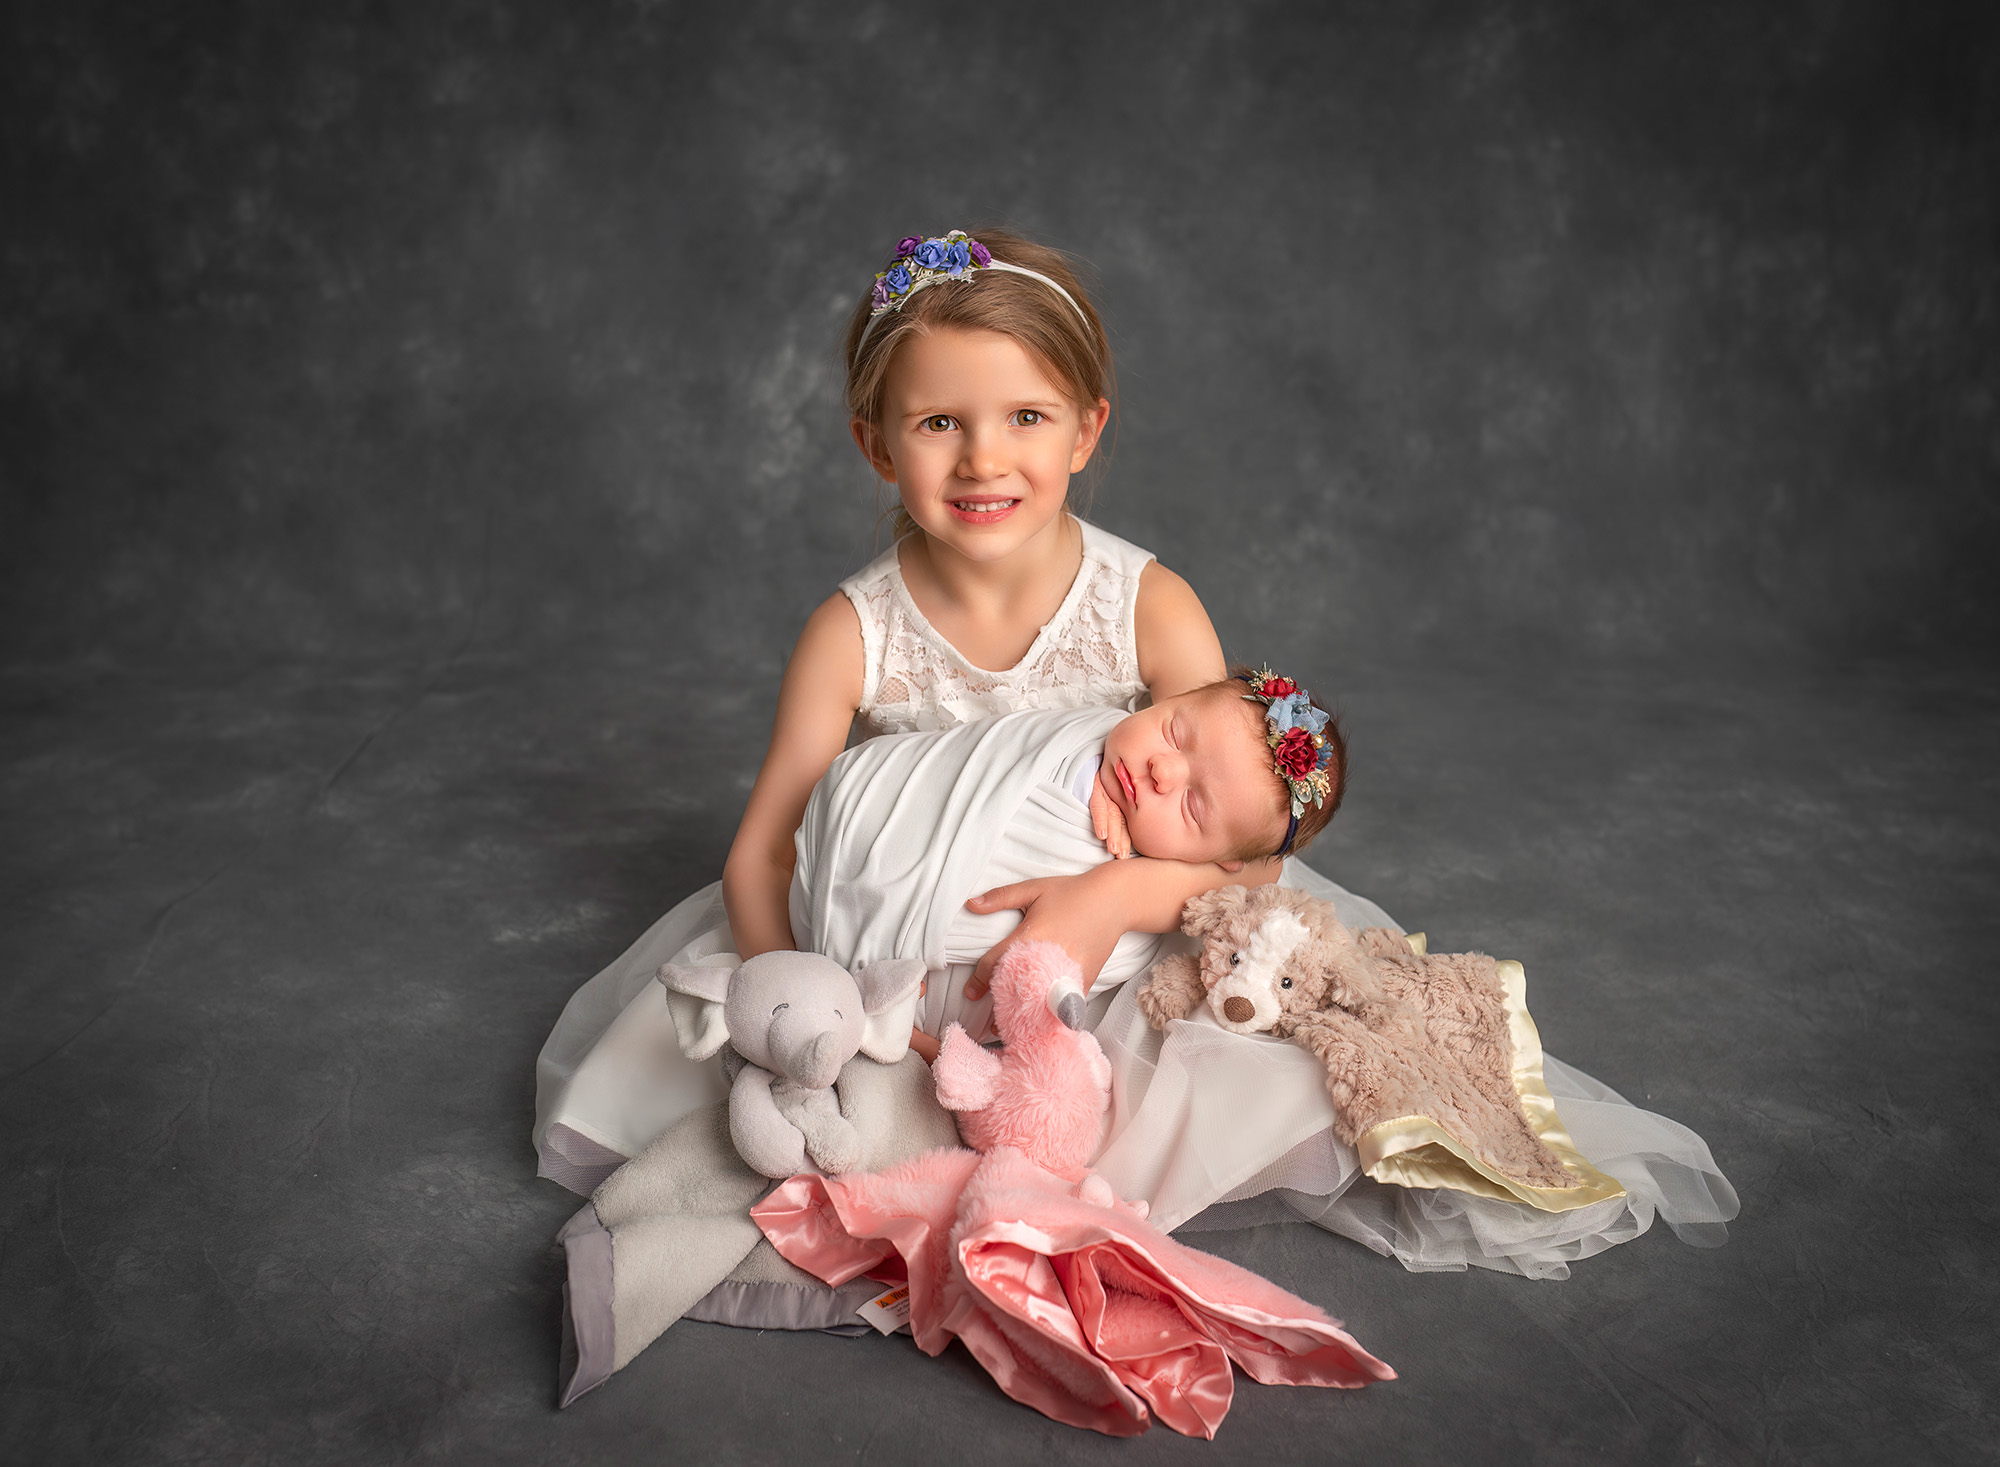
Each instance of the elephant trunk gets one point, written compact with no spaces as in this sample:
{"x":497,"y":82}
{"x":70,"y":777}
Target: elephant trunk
{"x":816,"y":1064}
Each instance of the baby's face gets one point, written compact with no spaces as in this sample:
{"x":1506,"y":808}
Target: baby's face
{"x":1193,"y":778}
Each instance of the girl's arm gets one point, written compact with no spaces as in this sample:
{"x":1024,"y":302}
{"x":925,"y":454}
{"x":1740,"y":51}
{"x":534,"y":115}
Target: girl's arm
{"x":1087,"y":914}
{"x":816,"y":705}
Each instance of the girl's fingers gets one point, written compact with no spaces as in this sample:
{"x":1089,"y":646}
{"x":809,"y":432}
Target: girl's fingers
{"x":1019,"y":896}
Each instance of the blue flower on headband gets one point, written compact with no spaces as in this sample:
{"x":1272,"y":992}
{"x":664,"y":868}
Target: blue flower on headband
{"x":898,"y":279}
{"x":957,"y":257}
{"x":931,"y":254}
{"x":1295,"y":710}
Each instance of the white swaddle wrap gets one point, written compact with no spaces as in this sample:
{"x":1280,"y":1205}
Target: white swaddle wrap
{"x":899,"y":832}
{"x":902,"y":830}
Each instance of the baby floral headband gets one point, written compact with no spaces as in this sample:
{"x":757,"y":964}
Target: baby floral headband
{"x":1296,"y":732}
{"x":921,"y":263}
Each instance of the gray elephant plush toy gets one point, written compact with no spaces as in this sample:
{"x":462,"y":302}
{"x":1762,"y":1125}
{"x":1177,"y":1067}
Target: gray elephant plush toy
{"x":786,"y":1024}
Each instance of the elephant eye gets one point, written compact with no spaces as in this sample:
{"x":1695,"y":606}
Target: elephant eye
{"x":836,"y":1013}
{"x":781,"y":1008}
{"x":1286,"y":984}
{"x":1235,"y":958}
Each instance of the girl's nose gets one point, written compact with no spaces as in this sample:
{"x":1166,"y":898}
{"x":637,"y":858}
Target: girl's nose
{"x":982,"y":458}
{"x":1169,"y":771}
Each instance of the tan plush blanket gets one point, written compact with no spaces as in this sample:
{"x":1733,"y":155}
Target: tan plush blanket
{"x":1437,"y":1078}
{"x":1432,"y":1061}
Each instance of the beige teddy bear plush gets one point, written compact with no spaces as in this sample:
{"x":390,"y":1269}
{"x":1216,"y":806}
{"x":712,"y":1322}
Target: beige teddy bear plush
{"x":1269,"y":957}
{"x":1405,"y":1035}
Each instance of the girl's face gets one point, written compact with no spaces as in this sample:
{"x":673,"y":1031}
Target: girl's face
{"x":978,"y":441}
{"x":1193,"y":778}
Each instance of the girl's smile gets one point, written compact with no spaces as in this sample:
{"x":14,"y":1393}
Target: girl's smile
{"x":984,"y":511}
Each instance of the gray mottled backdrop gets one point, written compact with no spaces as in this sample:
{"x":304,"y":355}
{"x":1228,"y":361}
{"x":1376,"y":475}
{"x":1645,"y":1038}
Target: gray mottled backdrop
{"x":419,"y":444}
{"x":1618,"y":328}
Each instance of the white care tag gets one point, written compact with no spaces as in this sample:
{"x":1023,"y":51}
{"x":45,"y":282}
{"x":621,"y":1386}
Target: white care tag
{"x":888,"y":1312}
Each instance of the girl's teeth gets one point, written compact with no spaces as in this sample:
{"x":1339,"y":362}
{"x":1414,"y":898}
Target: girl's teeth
{"x":983,"y":506}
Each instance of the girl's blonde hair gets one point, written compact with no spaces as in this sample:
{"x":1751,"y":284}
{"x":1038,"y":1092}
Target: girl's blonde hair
{"x":1074,"y":350}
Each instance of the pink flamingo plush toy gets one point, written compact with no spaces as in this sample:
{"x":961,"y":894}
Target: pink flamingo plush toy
{"x":1048,"y":1093}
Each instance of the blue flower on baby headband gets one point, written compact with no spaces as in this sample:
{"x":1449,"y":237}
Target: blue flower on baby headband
{"x":1295,"y":710}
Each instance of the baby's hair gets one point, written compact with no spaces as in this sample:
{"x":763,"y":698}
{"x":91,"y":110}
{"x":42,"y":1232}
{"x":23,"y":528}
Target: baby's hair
{"x":1075,"y":351}
{"x":1313,"y":819}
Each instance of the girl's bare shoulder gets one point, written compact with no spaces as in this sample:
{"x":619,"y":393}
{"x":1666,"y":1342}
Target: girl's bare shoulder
{"x":829,"y":657}
{"x":1177,"y":645}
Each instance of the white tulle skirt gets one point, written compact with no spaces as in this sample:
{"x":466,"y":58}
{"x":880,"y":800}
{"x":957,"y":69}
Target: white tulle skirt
{"x":1212,"y":1129}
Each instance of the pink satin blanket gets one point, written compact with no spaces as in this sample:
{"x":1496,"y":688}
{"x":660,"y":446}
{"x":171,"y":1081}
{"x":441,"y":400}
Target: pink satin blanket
{"x":1082,"y":1310}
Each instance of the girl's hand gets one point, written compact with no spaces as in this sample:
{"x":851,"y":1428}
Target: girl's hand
{"x":1108,"y":821}
{"x":1086,"y":915}
{"x":1058,"y":909}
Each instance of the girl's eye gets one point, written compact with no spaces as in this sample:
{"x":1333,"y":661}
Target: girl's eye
{"x":1027,"y":417}
{"x":938,"y":423}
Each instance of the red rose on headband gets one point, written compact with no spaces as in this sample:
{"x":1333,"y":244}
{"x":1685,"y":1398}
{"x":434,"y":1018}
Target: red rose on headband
{"x":1279,"y":687}
{"x":1295,"y":753}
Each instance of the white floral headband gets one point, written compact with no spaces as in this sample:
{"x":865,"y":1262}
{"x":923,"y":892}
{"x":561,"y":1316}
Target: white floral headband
{"x":925,"y":262}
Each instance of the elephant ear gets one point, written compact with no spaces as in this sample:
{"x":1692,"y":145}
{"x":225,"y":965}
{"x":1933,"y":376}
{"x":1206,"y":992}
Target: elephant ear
{"x":694,"y":997}
{"x":1206,"y":916}
{"x":890,"y":988}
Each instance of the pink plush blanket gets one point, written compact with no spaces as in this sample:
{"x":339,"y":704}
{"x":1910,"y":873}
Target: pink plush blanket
{"x":1072,"y":1301}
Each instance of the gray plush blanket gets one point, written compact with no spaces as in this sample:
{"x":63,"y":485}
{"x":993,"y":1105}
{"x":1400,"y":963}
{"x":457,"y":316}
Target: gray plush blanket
{"x":668,"y":1235}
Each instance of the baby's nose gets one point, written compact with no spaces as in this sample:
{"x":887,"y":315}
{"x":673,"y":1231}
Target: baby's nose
{"x":1169,"y":771}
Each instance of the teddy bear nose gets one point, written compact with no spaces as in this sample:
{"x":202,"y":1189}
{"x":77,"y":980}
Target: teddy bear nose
{"x":1238,"y":1010}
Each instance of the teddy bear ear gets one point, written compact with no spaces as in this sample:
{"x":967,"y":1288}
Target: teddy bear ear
{"x":1206,"y":915}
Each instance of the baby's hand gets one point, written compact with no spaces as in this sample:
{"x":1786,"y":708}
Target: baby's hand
{"x":1108,"y":821}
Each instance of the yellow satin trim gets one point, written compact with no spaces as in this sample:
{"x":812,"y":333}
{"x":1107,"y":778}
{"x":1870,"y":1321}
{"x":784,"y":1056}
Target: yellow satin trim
{"x":1414,"y":1151}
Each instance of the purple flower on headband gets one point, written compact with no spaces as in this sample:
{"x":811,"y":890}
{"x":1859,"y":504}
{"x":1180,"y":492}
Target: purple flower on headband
{"x":957,"y":257}
{"x":981,"y":256}
{"x":898,"y":279}
{"x":879,"y":296}
{"x":907,"y":243}
{"x":931,"y":254}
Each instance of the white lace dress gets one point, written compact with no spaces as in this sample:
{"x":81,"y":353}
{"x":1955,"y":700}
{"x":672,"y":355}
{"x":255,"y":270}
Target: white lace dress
{"x":1087,"y":656}
{"x":1186,"y":1133}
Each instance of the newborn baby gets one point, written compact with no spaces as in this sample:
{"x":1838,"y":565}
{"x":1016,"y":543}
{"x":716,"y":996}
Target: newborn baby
{"x":903,"y":829}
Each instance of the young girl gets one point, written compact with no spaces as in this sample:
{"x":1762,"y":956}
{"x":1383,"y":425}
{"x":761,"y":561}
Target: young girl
{"x":978,"y":383}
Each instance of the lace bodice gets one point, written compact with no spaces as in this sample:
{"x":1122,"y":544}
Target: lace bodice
{"x":1086,"y":656}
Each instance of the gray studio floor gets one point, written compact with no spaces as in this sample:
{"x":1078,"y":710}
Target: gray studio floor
{"x":281,"y":944}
